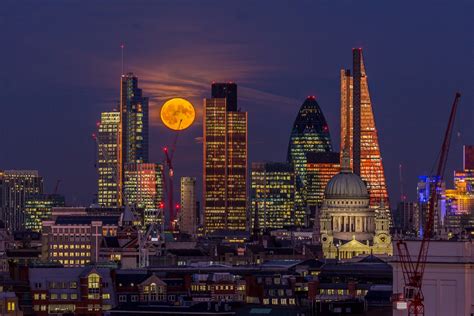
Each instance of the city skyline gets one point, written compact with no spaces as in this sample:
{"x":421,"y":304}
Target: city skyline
{"x":256,"y":97}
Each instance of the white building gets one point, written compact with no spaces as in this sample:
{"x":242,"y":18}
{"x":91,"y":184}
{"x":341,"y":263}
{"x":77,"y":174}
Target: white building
{"x":448,"y":279}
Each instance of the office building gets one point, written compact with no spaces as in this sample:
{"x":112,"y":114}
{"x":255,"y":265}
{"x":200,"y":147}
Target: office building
{"x":320,"y":168}
{"x":109,"y":182}
{"x":272,"y":195}
{"x":407,"y":218}
{"x":224,"y":166}
{"x":424,"y":187}
{"x":38,"y":208}
{"x":134,"y":121}
{"x":188,"y":217}
{"x":357,"y":116}
{"x":310,"y":133}
{"x":15,"y":188}
{"x":143,"y":189}
{"x":227,"y":91}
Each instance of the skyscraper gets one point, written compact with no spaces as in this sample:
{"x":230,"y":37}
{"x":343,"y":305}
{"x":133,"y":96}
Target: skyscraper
{"x":15,"y":187}
{"x":320,"y":168}
{"x":224,"y":165}
{"x":227,"y":91}
{"x":38,"y":207}
{"x":424,"y":187}
{"x":310,"y":133}
{"x":109,"y":181}
{"x":134,"y":119}
{"x":143,"y":188}
{"x":357,"y":115}
{"x":188,"y":221}
{"x":272,"y":194}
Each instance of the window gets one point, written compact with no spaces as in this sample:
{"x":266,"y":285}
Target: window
{"x":292,"y":301}
{"x":266,"y":301}
{"x":36,"y":296}
{"x":11,"y":306}
{"x":64,"y":296}
{"x":134,"y":298}
{"x":73,"y":296}
{"x":274,"y":301}
{"x":283,"y":301}
{"x":54,"y":296}
{"x":36,"y":308}
{"x":122,"y":298}
{"x":106,"y":296}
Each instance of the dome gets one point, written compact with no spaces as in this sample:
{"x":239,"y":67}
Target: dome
{"x":346,"y":185}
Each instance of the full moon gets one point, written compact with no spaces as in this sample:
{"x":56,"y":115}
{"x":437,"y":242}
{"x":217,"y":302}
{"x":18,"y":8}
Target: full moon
{"x":177,"y":114}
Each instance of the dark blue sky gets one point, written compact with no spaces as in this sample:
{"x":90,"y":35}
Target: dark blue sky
{"x":60,"y":67}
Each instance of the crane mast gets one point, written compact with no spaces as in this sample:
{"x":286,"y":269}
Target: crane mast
{"x":413,"y":271}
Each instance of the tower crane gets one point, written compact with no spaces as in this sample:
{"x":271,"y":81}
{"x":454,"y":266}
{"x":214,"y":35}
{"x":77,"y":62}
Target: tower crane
{"x":413,"y":270}
{"x":168,"y":189}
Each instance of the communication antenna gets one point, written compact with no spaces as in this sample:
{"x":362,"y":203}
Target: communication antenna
{"x":122,"y":46}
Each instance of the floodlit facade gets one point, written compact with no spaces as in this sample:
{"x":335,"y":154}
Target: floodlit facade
{"x":272,"y":194}
{"x":143,"y":189}
{"x":310,"y":133}
{"x":39,"y":207}
{"x":357,"y":116}
{"x":15,"y":188}
{"x":225,"y":166}
{"x":109,"y":181}
{"x":348,"y":226}
{"x":424,"y":187}
{"x":188,"y":213}
{"x":320,"y":168}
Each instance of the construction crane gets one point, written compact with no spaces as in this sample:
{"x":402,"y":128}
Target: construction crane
{"x":168,"y":187}
{"x":413,"y":270}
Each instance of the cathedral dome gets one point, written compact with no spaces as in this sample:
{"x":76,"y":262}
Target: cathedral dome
{"x":346,"y":185}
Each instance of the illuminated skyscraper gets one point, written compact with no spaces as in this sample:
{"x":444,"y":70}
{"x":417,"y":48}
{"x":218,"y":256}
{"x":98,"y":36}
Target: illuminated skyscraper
{"x":320,"y":168}
{"x":15,"y":188}
{"x":310,"y":133}
{"x":134,"y":118}
{"x":272,"y":194}
{"x":357,"y":115}
{"x":108,"y":154}
{"x":143,"y":188}
{"x":188,"y":221}
{"x":424,"y":186}
{"x":38,"y":208}
{"x":225,"y":166}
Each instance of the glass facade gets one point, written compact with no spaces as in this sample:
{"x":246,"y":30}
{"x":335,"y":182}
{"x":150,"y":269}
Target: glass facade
{"x":224,"y":166}
{"x":364,"y":135}
{"x":272,"y":194}
{"x":310,"y":133}
{"x":38,"y":208}
{"x":15,"y":188}
{"x":424,"y":187}
{"x":321,"y":167}
{"x":134,"y":118}
{"x":109,"y":182}
{"x":143,"y":189}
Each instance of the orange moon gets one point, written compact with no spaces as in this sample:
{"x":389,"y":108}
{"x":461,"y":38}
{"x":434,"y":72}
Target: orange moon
{"x":177,"y":114}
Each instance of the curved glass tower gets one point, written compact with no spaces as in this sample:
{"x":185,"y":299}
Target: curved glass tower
{"x":310,"y":133}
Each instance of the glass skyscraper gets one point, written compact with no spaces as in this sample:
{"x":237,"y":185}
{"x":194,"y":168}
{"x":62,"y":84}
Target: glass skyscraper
{"x":320,"y":168}
{"x":38,"y":207}
{"x":225,"y":163}
{"x":357,"y":115}
{"x":143,"y":188}
{"x":310,"y":133}
{"x":109,"y":180}
{"x":15,"y":188}
{"x":134,"y":119}
{"x":272,"y":194}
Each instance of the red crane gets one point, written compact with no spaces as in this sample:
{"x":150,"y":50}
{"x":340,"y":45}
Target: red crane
{"x":413,"y":270}
{"x":168,"y":162}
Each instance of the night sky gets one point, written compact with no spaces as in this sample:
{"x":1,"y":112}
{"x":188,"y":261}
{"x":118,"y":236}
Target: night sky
{"x":60,"y":68}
